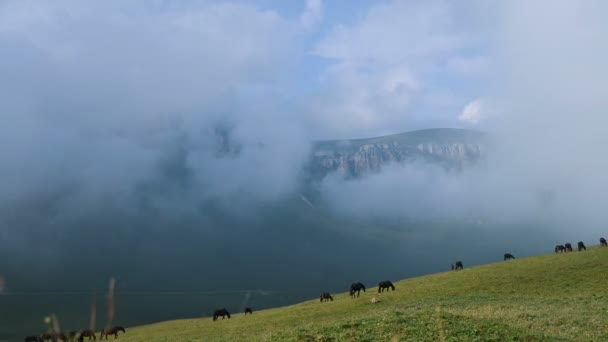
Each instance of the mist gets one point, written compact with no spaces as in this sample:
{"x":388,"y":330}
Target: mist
{"x":141,"y":138}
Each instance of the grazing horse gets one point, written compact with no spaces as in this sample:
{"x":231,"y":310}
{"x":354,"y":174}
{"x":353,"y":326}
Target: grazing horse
{"x":111,"y":331}
{"x":458,"y":265}
{"x":568,"y":247}
{"x":560,"y":248}
{"x":32,"y":339}
{"x":220,"y":312}
{"x":385,"y":285}
{"x":356,"y":287}
{"x":581,"y":246}
{"x":509,"y":256}
{"x":603,"y":242}
{"x":87,"y":333}
{"x":248,"y":311}
{"x":326,"y":296}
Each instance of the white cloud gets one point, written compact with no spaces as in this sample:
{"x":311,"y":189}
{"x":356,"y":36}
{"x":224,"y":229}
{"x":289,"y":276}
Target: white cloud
{"x":382,"y":64}
{"x":97,"y":93}
{"x":313,"y":13}
{"x":394,"y":33}
{"x":469,"y":65}
{"x":473,"y":112}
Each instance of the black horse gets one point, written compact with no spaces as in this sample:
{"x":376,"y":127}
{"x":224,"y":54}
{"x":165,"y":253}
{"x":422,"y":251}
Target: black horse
{"x":385,"y":285}
{"x":603,"y":242}
{"x":568,"y":247}
{"x":111,"y":331}
{"x":509,"y":256}
{"x":326,"y":296}
{"x":32,"y":339}
{"x":356,"y":287}
{"x":87,"y":333}
{"x":560,"y":249}
{"x":220,"y":312}
{"x":581,"y":246}
{"x":248,"y":311}
{"x":458,"y":265}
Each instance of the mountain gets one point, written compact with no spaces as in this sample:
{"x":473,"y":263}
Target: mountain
{"x":448,"y":147}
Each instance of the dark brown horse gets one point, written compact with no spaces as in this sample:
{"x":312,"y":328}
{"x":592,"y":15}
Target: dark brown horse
{"x":458,"y":265}
{"x":326,"y":296}
{"x":560,"y":249}
{"x":111,"y":331}
{"x":87,"y":333}
{"x":603,"y":242}
{"x":581,"y":246}
{"x":356,"y":287}
{"x":248,"y":311}
{"x":568,"y":247}
{"x":508,"y":256}
{"x":385,"y":285}
{"x":220,"y":312}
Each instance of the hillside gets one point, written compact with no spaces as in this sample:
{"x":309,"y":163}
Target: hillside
{"x":556,"y":297}
{"x":449,"y":147}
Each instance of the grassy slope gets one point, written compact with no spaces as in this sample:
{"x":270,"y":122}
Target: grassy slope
{"x":543,"y":298}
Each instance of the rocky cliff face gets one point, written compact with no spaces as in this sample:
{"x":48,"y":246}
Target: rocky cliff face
{"x":450,"y":148}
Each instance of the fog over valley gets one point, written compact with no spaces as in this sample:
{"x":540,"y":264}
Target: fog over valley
{"x":235,"y":153}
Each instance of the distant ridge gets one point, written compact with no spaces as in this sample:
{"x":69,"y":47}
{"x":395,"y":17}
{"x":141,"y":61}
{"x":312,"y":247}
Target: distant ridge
{"x":448,"y":147}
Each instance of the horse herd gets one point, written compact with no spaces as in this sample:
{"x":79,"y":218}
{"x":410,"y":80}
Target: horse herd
{"x":567,"y":247}
{"x":355,"y":290}
{"x":76,"y":335}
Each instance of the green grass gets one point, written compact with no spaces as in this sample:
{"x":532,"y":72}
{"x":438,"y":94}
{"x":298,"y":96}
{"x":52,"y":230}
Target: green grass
{"x":557,"y":297}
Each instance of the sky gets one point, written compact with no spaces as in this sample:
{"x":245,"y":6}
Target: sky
{"x":142,"y":118}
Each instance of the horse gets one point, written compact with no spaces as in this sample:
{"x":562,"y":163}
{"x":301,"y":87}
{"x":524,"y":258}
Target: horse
{"x":385,"y":285}
{"x":326,"y":296}
{"x":581,"y":246}
{"x":603,"y":242}
{"x":568,"y":247}
{"x":560,"y":249}
{"x":458,"y":265}
{"x":248,"y":311}
{"x":87,"y":333}
{"x":32,"y":339}
{"x":508,"y":256}
{"x":111,"y":331}
{"x":356,"y":287}
{"x":221,"y":312}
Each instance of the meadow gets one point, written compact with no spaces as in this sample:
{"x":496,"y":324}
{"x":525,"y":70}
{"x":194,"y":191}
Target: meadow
{"x":554,"y":297}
